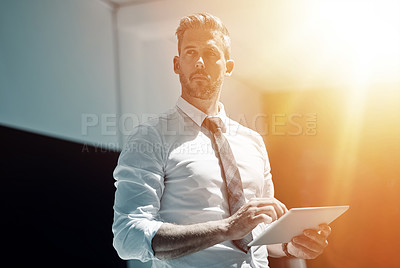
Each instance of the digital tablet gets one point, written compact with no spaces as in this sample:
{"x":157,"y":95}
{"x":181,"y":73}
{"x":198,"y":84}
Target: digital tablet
{"x":295,"y":221}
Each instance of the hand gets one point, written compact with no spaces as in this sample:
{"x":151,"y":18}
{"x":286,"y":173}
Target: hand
{"x":310,"y":244}
{"x":256,"y":211}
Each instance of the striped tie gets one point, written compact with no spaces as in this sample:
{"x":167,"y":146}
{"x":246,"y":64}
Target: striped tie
{"x":230,"y":173}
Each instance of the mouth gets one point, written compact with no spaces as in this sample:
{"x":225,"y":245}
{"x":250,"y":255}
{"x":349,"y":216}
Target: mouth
{"x":199,"y":77}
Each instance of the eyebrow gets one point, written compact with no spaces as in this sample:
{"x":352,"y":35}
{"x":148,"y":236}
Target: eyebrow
{"x":187,"y":47}
{"x":213,"y":47}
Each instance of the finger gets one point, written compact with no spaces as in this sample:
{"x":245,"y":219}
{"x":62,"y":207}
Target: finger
{"x":325,"y":230}
{"x":278,"y":210}
{"x":263,"y":218}
{"x":278,"y":207}
{"x":263,"y":202}
{"x":284,"y":208}
{"x":308,"y":243}
{"x":268,"y":210}
{"x":316,"y":236}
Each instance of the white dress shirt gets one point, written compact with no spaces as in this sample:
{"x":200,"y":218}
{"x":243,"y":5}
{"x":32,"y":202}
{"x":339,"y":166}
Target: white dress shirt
{"x":169,"y":172}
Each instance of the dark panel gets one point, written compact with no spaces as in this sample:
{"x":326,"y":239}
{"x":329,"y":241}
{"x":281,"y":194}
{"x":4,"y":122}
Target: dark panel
{"x":57,"y":199}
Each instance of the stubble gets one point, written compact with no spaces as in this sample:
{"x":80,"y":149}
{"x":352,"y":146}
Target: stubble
{"x":202,"y":89}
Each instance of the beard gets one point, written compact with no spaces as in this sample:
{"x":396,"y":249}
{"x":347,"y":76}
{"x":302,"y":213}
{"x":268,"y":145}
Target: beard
{"x":201,"y":89}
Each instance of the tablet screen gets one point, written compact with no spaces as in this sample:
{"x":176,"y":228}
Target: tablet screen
{"x":295,"y":221}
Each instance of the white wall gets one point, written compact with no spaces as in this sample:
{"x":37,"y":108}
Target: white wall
{"x":148,"y":84}
{"x":56,"y":65}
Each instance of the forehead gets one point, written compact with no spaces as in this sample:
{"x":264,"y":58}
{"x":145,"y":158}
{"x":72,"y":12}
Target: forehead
{"x":202,"y":38}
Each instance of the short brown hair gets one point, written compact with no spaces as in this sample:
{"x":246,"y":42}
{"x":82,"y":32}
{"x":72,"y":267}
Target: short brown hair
{"x":207,"y":22}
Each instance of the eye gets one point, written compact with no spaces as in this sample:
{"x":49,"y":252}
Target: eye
{"x":191,"y":52}
{"x":212,"y":53}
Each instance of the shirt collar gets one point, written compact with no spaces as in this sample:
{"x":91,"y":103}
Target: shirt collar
{"x":195,"y":114}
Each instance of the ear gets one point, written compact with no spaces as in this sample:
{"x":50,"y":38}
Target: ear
{"x":176,"y":65}
{"x":229,"y":67}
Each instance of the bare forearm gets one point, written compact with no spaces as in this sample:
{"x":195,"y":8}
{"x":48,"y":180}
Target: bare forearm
{"x":173,"y":241}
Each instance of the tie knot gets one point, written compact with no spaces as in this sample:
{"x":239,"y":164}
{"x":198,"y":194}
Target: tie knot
{"x":213,"y":124}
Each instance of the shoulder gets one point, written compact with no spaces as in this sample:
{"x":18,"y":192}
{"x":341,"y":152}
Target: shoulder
{"x":156,"y":126}
{"x":151,"y":132}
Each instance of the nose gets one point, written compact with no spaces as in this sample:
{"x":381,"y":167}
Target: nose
{"x":199,"y":63}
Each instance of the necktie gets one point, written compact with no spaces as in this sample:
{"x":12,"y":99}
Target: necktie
{"x":230,"y":173}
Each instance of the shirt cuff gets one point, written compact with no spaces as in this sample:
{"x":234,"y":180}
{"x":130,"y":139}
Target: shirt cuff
{"x":151,"y":229}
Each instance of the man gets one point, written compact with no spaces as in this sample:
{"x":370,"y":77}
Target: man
{"x":192,"y":191}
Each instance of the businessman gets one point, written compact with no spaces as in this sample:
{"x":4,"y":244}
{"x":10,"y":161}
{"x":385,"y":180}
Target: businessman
{"x":194,"y":187}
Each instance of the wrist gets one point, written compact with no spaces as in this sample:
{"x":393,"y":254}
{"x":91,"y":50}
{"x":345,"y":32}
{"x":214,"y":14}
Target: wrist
{"x":224,"y":229}
{"x":286,"y":251}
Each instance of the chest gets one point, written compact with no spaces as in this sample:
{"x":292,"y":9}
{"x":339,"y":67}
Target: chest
{"x":193,"y":165}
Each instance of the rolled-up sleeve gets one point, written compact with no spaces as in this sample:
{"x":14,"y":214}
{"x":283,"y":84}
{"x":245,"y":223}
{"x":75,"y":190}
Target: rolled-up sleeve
{"x":139,"y":187}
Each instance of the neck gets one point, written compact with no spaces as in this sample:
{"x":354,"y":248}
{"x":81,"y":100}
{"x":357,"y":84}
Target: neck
{"x":209,"y":106}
